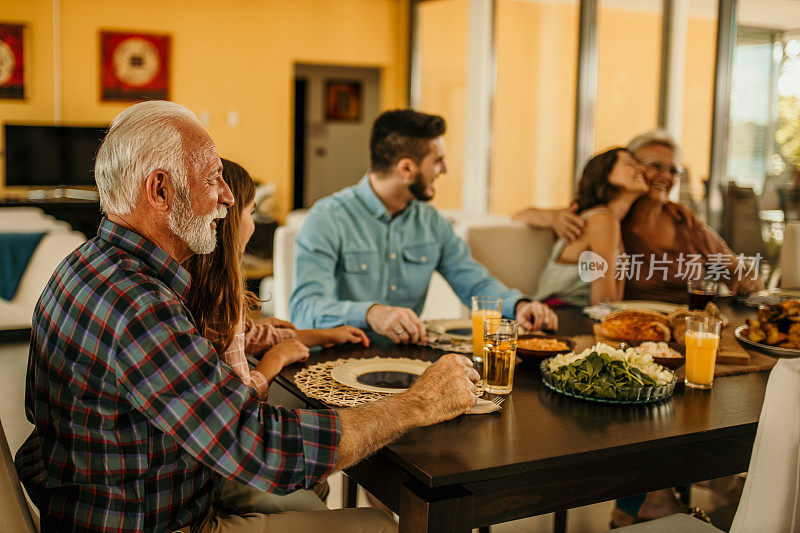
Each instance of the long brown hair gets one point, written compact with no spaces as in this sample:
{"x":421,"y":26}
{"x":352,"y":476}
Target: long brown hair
{"x":594,"y":187}
{"x":218,"y":298}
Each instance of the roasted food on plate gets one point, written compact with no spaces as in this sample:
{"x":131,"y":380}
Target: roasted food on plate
{"x":677,"y":319}
{"x":542,"y":344}
{"x":776,"y":325}
{"x":635,"y":326}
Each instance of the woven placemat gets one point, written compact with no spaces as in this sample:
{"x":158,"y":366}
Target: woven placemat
{"x":316,"y":382}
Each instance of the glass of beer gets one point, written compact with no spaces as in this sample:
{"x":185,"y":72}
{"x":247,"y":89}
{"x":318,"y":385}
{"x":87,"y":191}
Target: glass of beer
{"x":701,"y":291}
{"x":482,"y":307}
{"x":499,"y":354}
{"x":702,"y":342}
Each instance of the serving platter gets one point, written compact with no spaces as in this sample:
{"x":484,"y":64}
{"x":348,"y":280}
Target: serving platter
{"x":380,"y":374}
{"x":627,"y":395}
{"x":774,"y":351}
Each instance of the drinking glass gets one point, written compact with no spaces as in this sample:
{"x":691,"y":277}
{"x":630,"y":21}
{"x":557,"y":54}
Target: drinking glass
{"x":702,"y":343}
{"x":701,"y":291}
{"x":499,"y":354}
{"x":482,"y":307}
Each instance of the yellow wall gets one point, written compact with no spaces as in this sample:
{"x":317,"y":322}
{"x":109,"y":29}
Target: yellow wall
{"x":534,"y":114}
{"x":628,"y":70}
{"x":698,"y":97}
{"x":442,"y":27}
{"x":236,"y":55}
{"x":534,"y":109}
{"x":38,"y":104}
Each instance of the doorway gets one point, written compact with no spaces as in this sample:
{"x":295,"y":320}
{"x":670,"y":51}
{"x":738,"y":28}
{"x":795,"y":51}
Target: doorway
{"x":333,"y":112}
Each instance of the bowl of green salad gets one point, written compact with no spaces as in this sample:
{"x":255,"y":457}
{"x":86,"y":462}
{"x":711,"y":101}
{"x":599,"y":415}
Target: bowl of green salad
{"x":606,"y":374}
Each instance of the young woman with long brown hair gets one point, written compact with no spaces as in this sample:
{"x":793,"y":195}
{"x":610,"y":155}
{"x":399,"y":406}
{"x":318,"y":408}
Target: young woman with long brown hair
{"x":221,"y":305}
{"x":610,"y":183}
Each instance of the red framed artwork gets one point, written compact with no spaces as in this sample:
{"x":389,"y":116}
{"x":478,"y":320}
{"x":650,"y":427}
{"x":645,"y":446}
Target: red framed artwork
{"x":134,"y":66}
{"x":12,"y":61}
{"x":343,"y":100}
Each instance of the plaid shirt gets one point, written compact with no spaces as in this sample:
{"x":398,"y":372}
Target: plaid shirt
{"x":136,"y":418}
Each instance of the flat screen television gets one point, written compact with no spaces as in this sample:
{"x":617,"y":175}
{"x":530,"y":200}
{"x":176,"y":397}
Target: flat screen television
{"x":45,"y":156}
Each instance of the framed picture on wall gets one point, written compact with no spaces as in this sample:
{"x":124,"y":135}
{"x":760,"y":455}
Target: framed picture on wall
{"x":134,"y":66}
{"x":343,"y":100}
{"x":12,"y":61}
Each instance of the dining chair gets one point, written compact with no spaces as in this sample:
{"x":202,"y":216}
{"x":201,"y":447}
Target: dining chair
{"x":283,"y":269}
{"x":771,"y":497}
{"x":742,"y":228}
{"x":15,"y":514}
{"x":790,"y":256}
{"x":790,"y":203}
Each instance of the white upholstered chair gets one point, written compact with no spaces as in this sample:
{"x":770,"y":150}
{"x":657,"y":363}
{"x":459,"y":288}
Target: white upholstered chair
{"x":283,"y":269}
{"x":514,"y":253}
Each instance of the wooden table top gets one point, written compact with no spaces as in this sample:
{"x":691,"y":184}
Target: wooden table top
{"x":540,"y":429}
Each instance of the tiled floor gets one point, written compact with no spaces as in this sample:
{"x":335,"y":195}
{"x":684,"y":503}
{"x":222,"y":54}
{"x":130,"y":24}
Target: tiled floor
{"x":13,"y":361}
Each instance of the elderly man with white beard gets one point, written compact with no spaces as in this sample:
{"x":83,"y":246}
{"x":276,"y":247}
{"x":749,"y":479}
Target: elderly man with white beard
{"x":135,"y":418}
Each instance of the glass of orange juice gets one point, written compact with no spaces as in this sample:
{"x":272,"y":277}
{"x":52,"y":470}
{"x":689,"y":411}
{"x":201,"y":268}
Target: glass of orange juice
{"x":702,"y":342}
{"x":482,"y":307}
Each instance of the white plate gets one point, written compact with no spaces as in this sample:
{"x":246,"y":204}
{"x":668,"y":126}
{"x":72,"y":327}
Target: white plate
{"x":349,"y":372}
{"x":647,"y":305}
{"x":774,"y":351}
{"x":770,"y":297}
{"x":445,"y":326}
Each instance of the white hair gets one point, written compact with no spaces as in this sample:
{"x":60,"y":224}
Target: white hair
{"x":143,"y":138}
{"x":656,"y":136}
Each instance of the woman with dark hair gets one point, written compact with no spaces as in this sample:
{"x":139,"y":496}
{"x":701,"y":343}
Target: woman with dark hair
{"x":221,"y":307}
{"x":609,"y":185}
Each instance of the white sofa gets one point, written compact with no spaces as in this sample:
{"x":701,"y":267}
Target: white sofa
{"x":59,"y":240}
{"x":54,"y":246}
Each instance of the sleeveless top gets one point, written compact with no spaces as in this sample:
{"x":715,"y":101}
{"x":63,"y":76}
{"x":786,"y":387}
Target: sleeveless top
{"x":561,"y":280}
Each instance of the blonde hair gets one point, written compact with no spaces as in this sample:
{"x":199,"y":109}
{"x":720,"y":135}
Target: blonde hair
{"x":655,"y":136}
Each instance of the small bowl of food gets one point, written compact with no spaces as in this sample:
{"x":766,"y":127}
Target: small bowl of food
{"x":662,"y":353}
{"x":539,"y":345}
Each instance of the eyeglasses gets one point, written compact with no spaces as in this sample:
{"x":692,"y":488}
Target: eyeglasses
{"x":662,"y":168}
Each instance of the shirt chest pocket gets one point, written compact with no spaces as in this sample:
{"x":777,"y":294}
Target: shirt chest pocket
{"x":365,"y":263}
{"x":422,"y":256}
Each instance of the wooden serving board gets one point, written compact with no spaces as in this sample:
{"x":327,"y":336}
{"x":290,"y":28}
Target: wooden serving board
{"x":730,"y":351}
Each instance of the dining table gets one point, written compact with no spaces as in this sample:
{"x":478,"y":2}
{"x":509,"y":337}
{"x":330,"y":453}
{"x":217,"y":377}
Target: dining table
{"x":546,"y":452}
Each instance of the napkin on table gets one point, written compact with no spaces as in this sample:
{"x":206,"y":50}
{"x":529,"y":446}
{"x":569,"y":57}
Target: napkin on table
{"x":483,"y":407}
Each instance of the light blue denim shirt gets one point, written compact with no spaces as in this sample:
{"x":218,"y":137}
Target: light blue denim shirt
{"x":350,"y":254}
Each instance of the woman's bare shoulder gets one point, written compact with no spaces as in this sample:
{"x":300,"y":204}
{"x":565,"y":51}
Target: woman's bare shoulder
{"x":601,"y":222}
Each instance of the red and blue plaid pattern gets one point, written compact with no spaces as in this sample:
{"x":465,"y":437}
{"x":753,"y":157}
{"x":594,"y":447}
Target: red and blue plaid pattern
{"x":136,"y":418}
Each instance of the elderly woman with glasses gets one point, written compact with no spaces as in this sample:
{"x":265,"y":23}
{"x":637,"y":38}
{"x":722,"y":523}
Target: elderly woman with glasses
{"x":665,"y":243}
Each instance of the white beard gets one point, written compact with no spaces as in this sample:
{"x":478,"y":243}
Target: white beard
{"x":195,"y":230}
